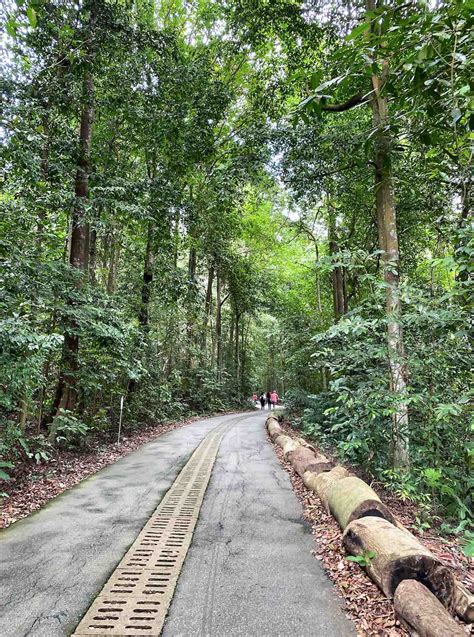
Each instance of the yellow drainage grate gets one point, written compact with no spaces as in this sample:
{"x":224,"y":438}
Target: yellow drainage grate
{"x":136,"y":598}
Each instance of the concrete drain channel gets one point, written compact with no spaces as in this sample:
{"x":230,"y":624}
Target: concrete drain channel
{"x":136,"y":598}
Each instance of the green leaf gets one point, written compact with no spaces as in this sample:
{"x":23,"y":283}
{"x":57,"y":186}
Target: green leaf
{"x":468,"y":550}
{"x":315,"y":79}
{"x":31,"y":14}
{"x":361,"y":28}
{"x":11,"y":28}
{"x":4,"y":476}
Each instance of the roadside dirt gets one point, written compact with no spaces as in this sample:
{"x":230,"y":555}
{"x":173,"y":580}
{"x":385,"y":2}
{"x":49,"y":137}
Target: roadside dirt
{"x":32,"y":486}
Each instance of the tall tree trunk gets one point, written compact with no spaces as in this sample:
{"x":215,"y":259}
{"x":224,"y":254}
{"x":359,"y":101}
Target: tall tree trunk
{"x":147,"y":280}
{"x":66,"y":392}
{"x":42,"y":211}
{"x":388,"y":244}
{"x":207,"y":309}
{"x":219,"y":326}
{"x":114,"y":257}
{"x":191,"y":309}
{"x":237,"y":348}
{"x":337,"y":275}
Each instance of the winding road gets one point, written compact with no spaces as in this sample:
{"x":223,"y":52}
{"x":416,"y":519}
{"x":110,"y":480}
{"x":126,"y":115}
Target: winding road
{"x":248,"y":571}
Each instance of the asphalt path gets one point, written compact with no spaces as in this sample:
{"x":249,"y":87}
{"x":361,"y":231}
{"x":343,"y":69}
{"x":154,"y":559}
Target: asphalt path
{"x":249,"y":570}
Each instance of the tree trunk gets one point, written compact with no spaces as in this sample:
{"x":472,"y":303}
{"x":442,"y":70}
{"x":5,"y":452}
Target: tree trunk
{"x":42,"y":211}
{"x":147,"y":280}
{"x":114,"y":257}
{"x":237,"y":348}
{"x":339,"y":302}
{"x":219,"y":327}
{"x":66,"y":391}
{"x":422,"y":613}
{"x":351,"y":498}
{"x":398,"y":556}
{"x":207,"y":311}
{"x":191,"y":309}
{"x":388,"y":244}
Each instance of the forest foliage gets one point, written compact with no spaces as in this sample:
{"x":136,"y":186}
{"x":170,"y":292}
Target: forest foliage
{"x":204,"y":199}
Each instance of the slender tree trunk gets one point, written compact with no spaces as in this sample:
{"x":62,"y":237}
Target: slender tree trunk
{"x":147,"y":280}
{"x":66,"y":392}
{"x":207,"y":312}
{"x":237,"y":348}
{"x":42,"y":212}
{"x":388,"y":244}
{"x":337,"y":272}
{"x":191,"y":309}
{"x":219,"y":327}
{"x":114,"y":258}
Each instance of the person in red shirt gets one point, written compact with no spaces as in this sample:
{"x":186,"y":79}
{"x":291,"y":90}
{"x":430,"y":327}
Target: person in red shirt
{"x":274,"y":399}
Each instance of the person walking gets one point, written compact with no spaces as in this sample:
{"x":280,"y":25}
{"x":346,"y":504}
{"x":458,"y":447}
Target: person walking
{"x":262,"y":401}
{"x":254,"y":398}
{"x":267,"y":397}
{"x":274,"y":399}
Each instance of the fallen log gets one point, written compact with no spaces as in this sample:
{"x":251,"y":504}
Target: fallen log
{"x":464,"y":603}
{"x":305,"y":443}
{"x":323,"y":482}
{"x":422,"y":613}
{"x":397,"y":556}
{"x":351,"y":498}
{"x":286,"y":443}
{"x":303,"y":459}
{"x":274,"y":428}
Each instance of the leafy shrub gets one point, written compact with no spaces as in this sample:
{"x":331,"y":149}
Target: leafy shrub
{"x":355,"y":414}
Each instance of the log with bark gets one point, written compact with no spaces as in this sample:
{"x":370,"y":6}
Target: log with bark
{"x":323,"y":482}
{"x":274,"y":428}
{"x":303,"y":459}
{"x":305,"y":443}
{"x":286,"y":443}
{"x":464,"y":603}
{"x":398,"y":556}
{"x":351,"y":498}
{"x":422,"y":613}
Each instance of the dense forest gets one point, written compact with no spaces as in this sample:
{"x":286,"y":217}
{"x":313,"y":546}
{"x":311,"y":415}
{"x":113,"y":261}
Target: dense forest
{"x":202,"y":199}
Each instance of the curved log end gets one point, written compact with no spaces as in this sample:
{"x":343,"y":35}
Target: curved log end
{"x":437,"y":578}
{"x":373,"y":508}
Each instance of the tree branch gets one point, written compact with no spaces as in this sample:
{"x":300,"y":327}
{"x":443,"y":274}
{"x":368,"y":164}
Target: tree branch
{"x":353,"y":101}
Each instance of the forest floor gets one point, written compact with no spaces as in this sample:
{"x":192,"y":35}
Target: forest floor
{"x":32,"y":485}
{"x":371,"y":611}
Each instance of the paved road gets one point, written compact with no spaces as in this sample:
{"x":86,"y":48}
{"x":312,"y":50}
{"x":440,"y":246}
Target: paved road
{"x":249,"y":570}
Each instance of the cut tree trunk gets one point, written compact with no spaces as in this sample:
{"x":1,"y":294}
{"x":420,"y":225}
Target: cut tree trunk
{"x":274,"y":428}
{"x":324,"y":481}
{"x":464,"y":603}
{"x":398,"y":556}
{"x":303,"y":459}
{"x":351,"y":498}
{"x":422,"y":613}
{"x":287,"y":444}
